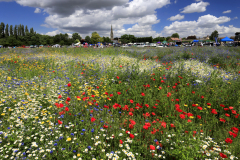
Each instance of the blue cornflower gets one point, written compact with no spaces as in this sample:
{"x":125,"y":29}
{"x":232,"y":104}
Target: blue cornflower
{"x":63,"y":148}
{"x":55,"y":144}
{"x":89,"y":147}
{"x":82,"y":133}
{"x":83,"y":130}
{"x":74,"y":151}
{"x":155,"y":140}
{"x":82,"y":120}
{"x":92,"y":130}
{"x":72,"y":134}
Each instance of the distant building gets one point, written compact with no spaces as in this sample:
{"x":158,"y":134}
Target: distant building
{"x":173,"y":39}
{"x":192,"y":37}
{"x":206,"y":38}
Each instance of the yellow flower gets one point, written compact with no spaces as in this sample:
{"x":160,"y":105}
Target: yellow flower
{"x":42,"y":122}
{"x":36,"y":117}
{"x":200,"y":124}
{"x":69,"y":139}
{"x":229,"y":82}
{"x":208,"y":106}
{"x":9,"y":78}
{"x":78,"y":154}
{"x":191,"y":117}
{"x":3,"y":114}
{"x":9,"y":109}
{"x":185,"y":105}
{"x":26,"y":94}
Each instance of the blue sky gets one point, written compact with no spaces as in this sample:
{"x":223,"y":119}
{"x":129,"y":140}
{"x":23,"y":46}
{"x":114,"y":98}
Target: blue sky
{"x":138,"y":17}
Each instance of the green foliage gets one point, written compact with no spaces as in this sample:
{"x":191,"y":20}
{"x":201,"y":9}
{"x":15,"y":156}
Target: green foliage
{"x":76,"y":36}
{"x":213,"y":35}
{"x":175,"y":35}
{"x":95,"y":38}
{"x":88,"y":39}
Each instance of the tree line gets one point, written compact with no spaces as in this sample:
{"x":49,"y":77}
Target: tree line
{"x":19,"y":35}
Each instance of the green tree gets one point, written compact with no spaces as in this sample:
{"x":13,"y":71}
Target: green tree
{"x":213,"y":35}
{"x":76,"y":36}
{"x":2,"y":28}
{"x":175,"y":35}
{"x":88,"y":39}
{"x":61,"y":43}
{"x":15,"y":32}
{"x":6,"y":31}
{"x":26,"y":29}
{"x":95,"y":38}
{"x":76,"y":41}
{"x":11,"y":30}
{"x":168,"y":38}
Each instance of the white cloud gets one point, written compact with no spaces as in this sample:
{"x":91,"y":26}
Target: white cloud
{"x":204,"y":26}
{"x":196,"y":7}
{"x":86,"y":17}
{"x":235,"y":18}
{"x":175,"y":1}
{"x":228,"y":11}
{"x":37,"y":10}
{"x":177,"y":17}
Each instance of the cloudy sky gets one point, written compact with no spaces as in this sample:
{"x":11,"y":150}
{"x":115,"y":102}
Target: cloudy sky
{"x":137,"y":17}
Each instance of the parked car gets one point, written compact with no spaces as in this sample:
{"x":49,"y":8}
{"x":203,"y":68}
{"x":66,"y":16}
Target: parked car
{"x":188,"y":45}
{"x":161,"y":46}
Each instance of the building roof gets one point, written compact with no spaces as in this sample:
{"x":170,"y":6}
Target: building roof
{"x":174,"y":39}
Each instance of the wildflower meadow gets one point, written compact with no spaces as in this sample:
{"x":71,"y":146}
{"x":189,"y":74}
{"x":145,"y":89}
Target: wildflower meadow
{"x":120,"y":103}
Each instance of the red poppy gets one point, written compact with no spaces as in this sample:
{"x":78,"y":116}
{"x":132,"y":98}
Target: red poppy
{"x":152,"y":147}
{"x":232,"y":134}
{"x":127,"y":132}
{"x":194,"y":105}
{"x":193,"y":92}
{"x":223,"y":155}
{"x":182,"y":116}
{"x":145,"y":127}
{"x":104,"y":126}
{"x":189,"y":120}
{"x":200,"y":108}
{"x":142,"y":94}
{"x":131,"y":136}
{"x":131,"y":126}
{"x":199,"y":117}
{"x":59,"y":122}
{"x":214,"y":111}
{"x":162,"y":81}
{"x":235,"y":129}
{"x":68,"y":99}
{"x":222,"y":105}
{"x":169,"y":94}
{"x":69,"y":85}
{"x":118,"y":93}
{"x":225,"y":109}
{"x":61,"y":105}
{"x":228,"y":140}
{"x":172,"y":125}
{"x":120,"y":141}
{"x":230,"y":107}
{"x":209,"y":104}
{"x":106,"y":93}
{"x":59,"y":96}
{"x":222,"y":120}
{"x":131,"y":101}
{"x":93,"y":119}
{"x":227,"y":115}
{"x":132,"y":122}
{"x":66,"y":109}
{"x":202,"y":97}
{"x":130,"y":114}
{"x":147,"y":105}
{"x":177,"y":100}
{"x":111,"y":95}
{"x":117,"y":77}
{"x":160,"y":87}
{"x":153,"y":114}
